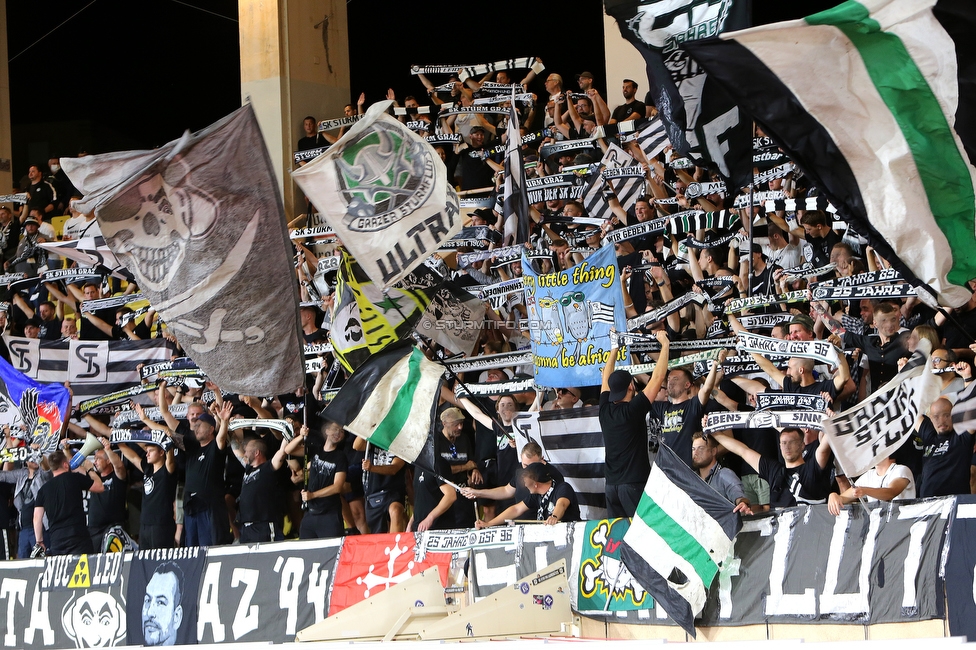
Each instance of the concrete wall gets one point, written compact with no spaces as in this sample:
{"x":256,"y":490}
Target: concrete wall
{"x":285,"y":73}
{"x":623,"y":62}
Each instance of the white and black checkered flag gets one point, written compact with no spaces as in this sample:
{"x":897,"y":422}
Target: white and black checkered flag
{"x":516,"y":205}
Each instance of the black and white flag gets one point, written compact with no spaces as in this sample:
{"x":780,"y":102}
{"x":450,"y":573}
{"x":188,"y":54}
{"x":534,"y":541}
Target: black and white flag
{"x":200,"y":224}
{"x":384,"y":191}
{"x":628,"y":189}
{"x":516,"y":205}
{"x":94,"y":368}
{"x":701,"y":119}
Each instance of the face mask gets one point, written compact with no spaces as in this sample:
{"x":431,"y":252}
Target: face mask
{"x":55,"y":169}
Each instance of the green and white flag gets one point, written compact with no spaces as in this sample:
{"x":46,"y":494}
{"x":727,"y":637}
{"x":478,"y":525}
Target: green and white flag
{"x":873,"y":101}
{"x":384,"y":191}
{"x":679,"y":538}
{"x":390,"y":400}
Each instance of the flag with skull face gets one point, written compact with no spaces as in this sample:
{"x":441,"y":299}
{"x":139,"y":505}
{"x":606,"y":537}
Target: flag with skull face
{"x":200,"y":224}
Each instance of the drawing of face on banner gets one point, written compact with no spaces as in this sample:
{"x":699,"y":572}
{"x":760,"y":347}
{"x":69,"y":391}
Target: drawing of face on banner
{"x":571,"y":313}
{"x":163,"y":589}
{"x":94,"y":620}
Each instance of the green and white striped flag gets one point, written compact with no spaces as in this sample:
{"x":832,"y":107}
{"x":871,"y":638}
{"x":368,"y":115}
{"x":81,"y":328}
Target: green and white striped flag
{"x":390,"y":400}
{"x":679,"y":537}
{"x":874,"y":101}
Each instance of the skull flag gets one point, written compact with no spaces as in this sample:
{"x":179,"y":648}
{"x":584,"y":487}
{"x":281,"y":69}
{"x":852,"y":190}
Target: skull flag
{"x":384,"y":191}
{"x":199,"y":223}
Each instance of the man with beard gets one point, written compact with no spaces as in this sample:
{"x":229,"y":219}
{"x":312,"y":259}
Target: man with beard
{"x":162,"y":612}
{"x":631,"y":109}
{"x":260,"y":512}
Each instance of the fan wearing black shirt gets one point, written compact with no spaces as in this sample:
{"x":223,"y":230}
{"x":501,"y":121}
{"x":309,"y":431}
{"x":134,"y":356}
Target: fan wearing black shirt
{"x":820,"y":236}
{"x":62,"y":500}
{"x":326,"y":476}
{"x":797,"y":378}
{"x":547,"y":499}
{"x":623,"y":414}
{"x":433,"y":498}
{"x":260,"y":505}
{"x":514,"y":489}
{"x":157,"y":525}
{"x":385,"y":488}
{"x":791,"y":480}
{"x":204,"y":511}
{"x":948,"y":453}
{"x":107,"y":509}
{"x":313,"y":139}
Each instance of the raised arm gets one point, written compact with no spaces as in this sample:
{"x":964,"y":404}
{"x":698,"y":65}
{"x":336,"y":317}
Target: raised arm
{"x":738,"y":448}
{"x":223,"y":423}
{"x":711,"y":381}
{"x":660,"y":369}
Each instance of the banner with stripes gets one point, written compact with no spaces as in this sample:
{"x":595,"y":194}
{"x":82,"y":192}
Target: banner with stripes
{"x":94,"y":368}
{"x":679,"y":538}
{"x":572,"y":440}
{"x":515,"y":207}
{"x":627,"y":189}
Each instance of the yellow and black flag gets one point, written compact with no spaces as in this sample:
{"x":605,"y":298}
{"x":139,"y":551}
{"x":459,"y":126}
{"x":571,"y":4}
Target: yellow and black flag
{"x":365,"y":320}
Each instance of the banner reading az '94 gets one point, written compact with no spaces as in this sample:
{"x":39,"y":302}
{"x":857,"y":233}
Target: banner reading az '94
{"x":570,"y":316}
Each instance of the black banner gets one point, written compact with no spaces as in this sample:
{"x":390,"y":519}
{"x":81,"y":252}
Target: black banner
{"x":166,"y":582}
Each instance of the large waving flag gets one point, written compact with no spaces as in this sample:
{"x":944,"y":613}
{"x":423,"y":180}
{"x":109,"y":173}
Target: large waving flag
{"x":874,"y":100}
{"x":365,"y":319}
{"x":702,"y":120}
{"x":34,"y":411}
{"x":384,"y":191}
{"x":199,"y":223}
{"x":679,"y":538}
{"x":391,"y":401}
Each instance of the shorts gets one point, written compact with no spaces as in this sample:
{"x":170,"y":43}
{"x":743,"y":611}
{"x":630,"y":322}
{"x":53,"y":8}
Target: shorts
{"x":157,"y":535}
{"x":321,"y":526}
{"x":354,"y":477}
{"x":378,"y":509}
{"x":756,"y":489}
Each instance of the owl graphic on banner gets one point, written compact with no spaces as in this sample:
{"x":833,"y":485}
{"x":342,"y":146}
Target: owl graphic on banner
{"x":570,"y":314}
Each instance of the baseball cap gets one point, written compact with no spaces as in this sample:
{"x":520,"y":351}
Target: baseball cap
{"x":619,"y":381}
{"x":207,"y":418}
{"x":585,"y":74}
{"x":803,"y":320}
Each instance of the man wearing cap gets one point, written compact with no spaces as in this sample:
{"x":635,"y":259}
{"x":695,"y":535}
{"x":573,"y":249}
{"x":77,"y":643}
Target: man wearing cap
{"x":548,"y":500}
{"x":632,"y":108}
{"x":585,"y":80}
{"x":623,"y":412}
{"x":29,"y":255}
{"x":472,"y":166}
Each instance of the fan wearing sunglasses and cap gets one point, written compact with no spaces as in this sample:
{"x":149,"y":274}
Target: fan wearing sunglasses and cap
{"x":566,"y":398}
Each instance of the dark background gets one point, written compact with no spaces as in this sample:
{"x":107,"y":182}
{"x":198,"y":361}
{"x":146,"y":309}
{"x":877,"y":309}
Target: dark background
{"x":119,"y":74}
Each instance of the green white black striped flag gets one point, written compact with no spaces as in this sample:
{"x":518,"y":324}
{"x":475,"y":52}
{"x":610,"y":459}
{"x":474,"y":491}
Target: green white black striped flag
{"x":679,"y":538}
{"x":390,"y":401}
{"x":875,"y":101}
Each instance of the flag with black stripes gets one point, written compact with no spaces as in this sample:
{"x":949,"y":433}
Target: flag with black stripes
{"x":516,"y":205}
{"x":653,"y":137}
{"x":572,"y":440}
{"x":593,"y":199}
{"x":679,"y":537}
{"x":630,"y":188}
{"x":94,"y":368}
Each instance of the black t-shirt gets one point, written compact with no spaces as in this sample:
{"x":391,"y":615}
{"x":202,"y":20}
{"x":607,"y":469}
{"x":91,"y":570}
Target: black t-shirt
{"x":946,"y":461}
{"x":541,"y":505}
{"x":956,"y":336}
{"x":319,"y":335}
{"x":457,"y":453}
{"x":678,"y":423}
{"x":50,"y":330}
{"x":260,"y":494}
{"x":204,"y":470}
{"x":427,"y":494}
{"x":882,"y":359}
{"x":817,"y":387}
{"x":90,"y":332}
{"x":322,"y":470}
{"x":108,"y":508}
{"x":374,"y":482}
{"x":475,"y":172}
{"x":822,"y":246}
{"x":159,"y":493}
{"x":521,"y":492}
{"x":807,"y":483}
{"x":312,"y":142}
{"x":624,"y":111}
{"x":506,"y":455}
{"x":63,"y":501}
{"x":625,"y":439}
{"x":40,"y":195}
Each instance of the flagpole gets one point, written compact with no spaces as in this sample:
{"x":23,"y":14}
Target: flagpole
{"x":752,"y":221}
{"x":451,"y":372}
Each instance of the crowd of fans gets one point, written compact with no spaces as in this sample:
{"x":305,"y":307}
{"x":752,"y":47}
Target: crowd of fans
{"x":214,"y":485}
